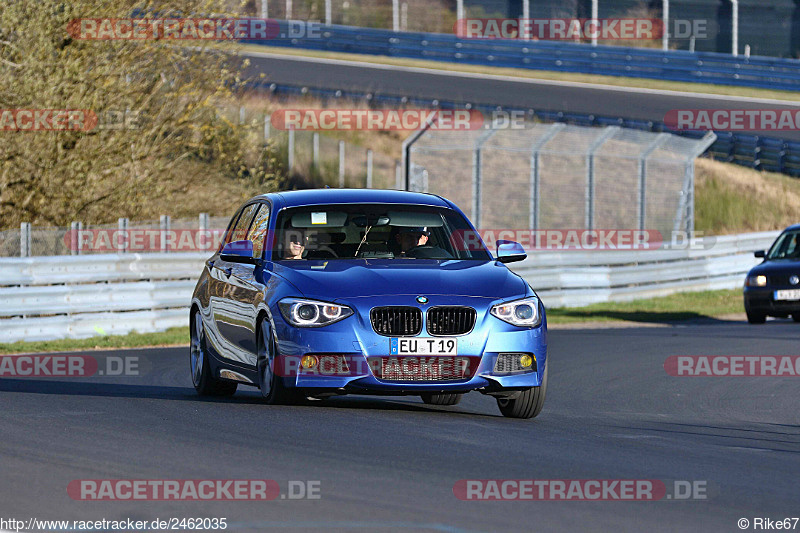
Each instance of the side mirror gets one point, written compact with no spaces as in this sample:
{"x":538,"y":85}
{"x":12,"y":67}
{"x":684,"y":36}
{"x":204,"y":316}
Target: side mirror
{"x":760,"y":254}
{"x":238,"y":252}
{"x":510,"y":251}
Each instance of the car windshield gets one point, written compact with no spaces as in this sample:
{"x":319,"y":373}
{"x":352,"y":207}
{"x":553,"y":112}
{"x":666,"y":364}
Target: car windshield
{"x":787,"y":246}
{"x":372,"y":231}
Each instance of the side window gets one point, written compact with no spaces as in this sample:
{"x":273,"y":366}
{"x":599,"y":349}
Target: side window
{"x":258,"y":230}
{"x":239,"y":231}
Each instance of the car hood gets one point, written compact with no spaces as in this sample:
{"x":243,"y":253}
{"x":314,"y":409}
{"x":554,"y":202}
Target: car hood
{"x":346,"y":278}
{"x":777,"y":267}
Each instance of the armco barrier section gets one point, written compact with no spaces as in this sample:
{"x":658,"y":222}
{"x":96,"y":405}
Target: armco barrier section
{"x":752,"y":151}
{"x":672,"y":65}
{"x":45,"y":298}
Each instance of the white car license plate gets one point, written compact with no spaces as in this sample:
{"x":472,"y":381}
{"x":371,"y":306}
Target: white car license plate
{"x":424,"y":346}
{"x":790,"y":294}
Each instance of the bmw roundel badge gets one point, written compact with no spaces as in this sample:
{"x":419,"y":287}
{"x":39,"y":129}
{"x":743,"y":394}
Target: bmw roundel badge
{"x":422,"y":299}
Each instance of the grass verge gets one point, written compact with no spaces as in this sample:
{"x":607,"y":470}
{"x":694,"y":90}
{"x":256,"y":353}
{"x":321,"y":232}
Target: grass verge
{"x":170,"y":337}
{"x":667,"y":309}
{"x":676,"y":307}
{"x":619,"y":81}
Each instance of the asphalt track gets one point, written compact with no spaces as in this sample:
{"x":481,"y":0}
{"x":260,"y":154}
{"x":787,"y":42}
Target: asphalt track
{"x":389,"y":464}
{"x":603,"y":100}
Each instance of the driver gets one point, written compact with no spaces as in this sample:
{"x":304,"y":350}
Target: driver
{"x":411,"y":237}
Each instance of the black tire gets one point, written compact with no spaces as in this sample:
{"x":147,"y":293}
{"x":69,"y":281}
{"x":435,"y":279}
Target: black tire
{"x":754,"y":317}
{"x":204,"y":381}
{"x":271,"y":385}
{"x":528,"y":404}
{"x":442,"y":399}
{"x":796,"y":317}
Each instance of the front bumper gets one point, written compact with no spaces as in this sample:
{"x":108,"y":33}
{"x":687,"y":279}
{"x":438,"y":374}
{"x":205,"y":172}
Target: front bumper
{"x":762,"y":300}
{"x":355,"y":339}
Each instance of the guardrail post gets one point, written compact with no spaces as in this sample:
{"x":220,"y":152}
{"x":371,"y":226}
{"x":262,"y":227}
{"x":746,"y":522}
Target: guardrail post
{"x":315,"y":149}
{"x":290,"y":150}
{"x":122,"y":226}
{"x":369,"y":169}
{"x":25,"y":239}
{"x":164,"y":224}
{"x":341,"y":164}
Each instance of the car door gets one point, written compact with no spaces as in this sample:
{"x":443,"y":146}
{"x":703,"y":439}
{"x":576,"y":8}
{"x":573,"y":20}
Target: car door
{"x":247,"y":290}
{"x":228,"y":301}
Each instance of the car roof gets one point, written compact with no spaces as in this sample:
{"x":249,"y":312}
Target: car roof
{"x":793,"y":227}
{"x":354,"y":196}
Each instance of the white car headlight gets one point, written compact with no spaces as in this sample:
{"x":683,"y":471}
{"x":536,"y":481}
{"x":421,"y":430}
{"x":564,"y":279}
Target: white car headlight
{"x":311,"y":313}
{"x":523,"y":313}
{"x":756,"y":281}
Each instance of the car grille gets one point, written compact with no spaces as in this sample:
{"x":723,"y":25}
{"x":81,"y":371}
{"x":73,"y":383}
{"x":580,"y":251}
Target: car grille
{"x":508,"y":363}
{"x":781,"y":279}
{"x":451,"y":320}
{"x":396,"y":321}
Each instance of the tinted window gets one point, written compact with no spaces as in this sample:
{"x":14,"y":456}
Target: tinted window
{"x":786,"y":247}
{"x":375,"y":231}
{"x":258,"y":230}
{"x":239,"y":231}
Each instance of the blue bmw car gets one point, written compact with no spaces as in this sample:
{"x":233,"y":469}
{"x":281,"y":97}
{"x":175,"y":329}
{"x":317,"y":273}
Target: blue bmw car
{"x":318,"y":293}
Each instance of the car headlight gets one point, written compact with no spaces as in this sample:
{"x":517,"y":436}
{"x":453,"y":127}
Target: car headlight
{"x":523,"y":313}
{"x":311,"y":313}
{"x":755,"y":281}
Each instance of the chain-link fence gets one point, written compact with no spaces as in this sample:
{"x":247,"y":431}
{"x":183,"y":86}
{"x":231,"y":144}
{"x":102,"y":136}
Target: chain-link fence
{"x":560,"y":177}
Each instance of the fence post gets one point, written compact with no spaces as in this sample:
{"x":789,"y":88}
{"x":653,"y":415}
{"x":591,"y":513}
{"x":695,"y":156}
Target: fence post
{"x":665,"y":24}
{"x":608,"y":132}
{"x":395,"y":15}
{"x":369,"y":169}
{"x":659,"y":140}
{"x":477,"y":178}
{"x":341,"y":164}
{"x":535,"y":172}
{"x":264,"y":9}
{"x":398,"y":175}
{"x":291,"y":150}
{"x":122,"y":226}
{"x":25,"y":239}
{"x":164,"y":224}
{"x":288,"y":9}
{"x":315,"y":150}
{"x":595,"y":16}
{"x":267,"y":119}
{"x":75,"y":238}
{"x":328,"y":13}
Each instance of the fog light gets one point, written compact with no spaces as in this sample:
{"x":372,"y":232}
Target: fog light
{"x":308,"y":361}
{"x":525,"y":361}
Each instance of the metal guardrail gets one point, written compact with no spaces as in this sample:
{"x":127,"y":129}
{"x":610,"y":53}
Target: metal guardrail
{"x":572,"y":279}
{"x":47,"y":298}
{"x":672,"y":65}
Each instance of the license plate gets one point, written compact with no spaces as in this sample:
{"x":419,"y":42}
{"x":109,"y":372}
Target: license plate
{"x":423,"y":346}
{"x":424,"y":368}
{"x":790,"y":294}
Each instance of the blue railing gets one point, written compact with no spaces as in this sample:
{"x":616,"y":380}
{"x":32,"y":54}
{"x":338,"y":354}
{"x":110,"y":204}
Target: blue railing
{"x":675,"y":65}
{"x":761,"y":153}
